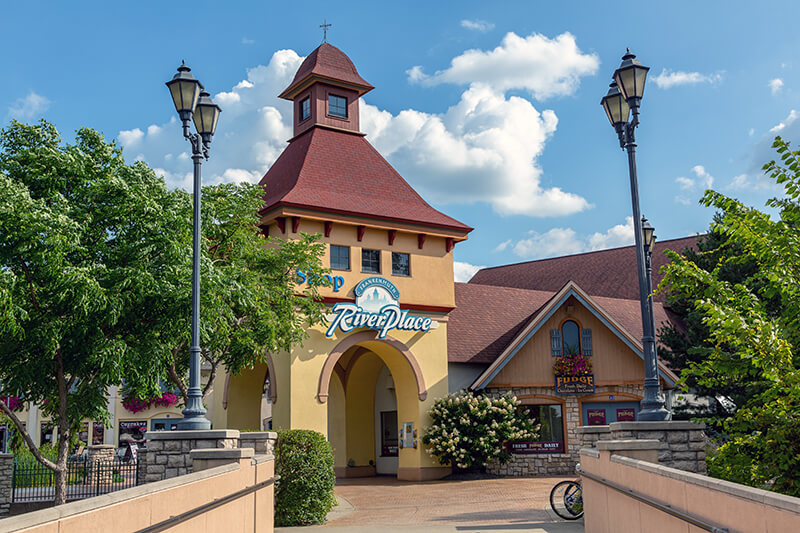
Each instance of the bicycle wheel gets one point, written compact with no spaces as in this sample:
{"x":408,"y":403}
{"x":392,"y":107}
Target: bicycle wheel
{"x":566,"y":499}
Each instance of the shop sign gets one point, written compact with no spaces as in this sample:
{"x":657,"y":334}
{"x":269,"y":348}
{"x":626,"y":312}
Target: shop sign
{"x":524,"y":447}
{"x":575,"y":384}
{"x":376,"y":307}
{"x":626,"y":415}
{"x":596,"y":417}
{"x":325,"y":280}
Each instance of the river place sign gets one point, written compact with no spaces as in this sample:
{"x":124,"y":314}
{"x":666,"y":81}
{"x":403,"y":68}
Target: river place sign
{"x":376,"y":307}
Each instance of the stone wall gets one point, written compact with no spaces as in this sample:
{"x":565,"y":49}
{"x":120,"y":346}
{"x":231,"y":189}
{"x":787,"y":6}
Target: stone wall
{"x":6,"y":468}
{"x":100,"y":460}
{"x":553,"y":464}
{"x":683,"y":444}
{"x":168,"y":451}
{"x":260,"y":441}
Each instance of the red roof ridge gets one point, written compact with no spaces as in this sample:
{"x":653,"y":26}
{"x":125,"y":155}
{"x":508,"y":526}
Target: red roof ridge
{"x":558,"y":257}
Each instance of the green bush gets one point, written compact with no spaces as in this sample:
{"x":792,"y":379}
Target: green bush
{"x":304,"y":492}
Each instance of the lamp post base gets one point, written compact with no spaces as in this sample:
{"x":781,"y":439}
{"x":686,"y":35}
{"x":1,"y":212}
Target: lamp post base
{"x":194,"y":414}
{"x":198,"y":422}
{"x":654,"y":413}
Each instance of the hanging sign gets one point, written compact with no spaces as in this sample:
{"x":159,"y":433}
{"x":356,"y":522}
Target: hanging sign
{"x":583,"y":384}
{"x":376,"y":307}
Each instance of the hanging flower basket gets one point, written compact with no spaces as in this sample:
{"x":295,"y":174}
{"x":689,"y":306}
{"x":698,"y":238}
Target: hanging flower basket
{"x":136,"y":405}
{"x":14,"y":403}
{"x":572,"y":365}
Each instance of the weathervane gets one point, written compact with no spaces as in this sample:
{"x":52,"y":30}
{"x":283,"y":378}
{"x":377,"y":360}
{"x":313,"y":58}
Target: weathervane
{"x":325,"y":27}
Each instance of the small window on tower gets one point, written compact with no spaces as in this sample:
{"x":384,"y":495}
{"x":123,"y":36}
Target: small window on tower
{"x":305,"y":109}
{"x":401,"y":265}
{"x":371,"y":261}
{"x":337,"y":106}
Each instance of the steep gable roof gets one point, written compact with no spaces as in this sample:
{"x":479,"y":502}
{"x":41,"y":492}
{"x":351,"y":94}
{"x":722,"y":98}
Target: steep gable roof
{"x":335,"y":171}
{"x":611,"y":273}
{"x":609,"y":319}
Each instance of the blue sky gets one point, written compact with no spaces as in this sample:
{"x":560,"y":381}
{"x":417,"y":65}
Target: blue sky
{"x":490,"y":110}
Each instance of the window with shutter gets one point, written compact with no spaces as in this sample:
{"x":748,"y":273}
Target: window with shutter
{"x":555,"y":342}
{"x":586,"y":340}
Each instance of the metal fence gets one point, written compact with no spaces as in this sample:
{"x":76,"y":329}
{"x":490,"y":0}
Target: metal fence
{"x":34,"y":482}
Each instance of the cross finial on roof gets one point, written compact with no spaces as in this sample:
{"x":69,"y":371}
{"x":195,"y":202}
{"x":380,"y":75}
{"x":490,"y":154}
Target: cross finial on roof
{"x":325,"y":27}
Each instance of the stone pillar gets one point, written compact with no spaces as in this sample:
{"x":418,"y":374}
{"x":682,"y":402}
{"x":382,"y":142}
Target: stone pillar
{"x":682,"y":443}
{"x":100,"y":460}
{"x":6,"y":468}
{"x":261,"y":441}
{"x":589,"y":435}
{"x":168,"y":451}
{"x":205,"y":459}
{"x":641,"y":449}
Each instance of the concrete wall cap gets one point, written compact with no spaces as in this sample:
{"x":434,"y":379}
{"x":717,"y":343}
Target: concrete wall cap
{"x":100,"y":447}
{"x":193,"y":435}
{"x":591,"y":452}
{"x":36,"y":518}
{"x":6,"y":455}
{"x":592,"y":429}
{"x":628,"y":444}
{"x":263,"y":458}
{"x":259,"y":435}
{"x":766,"y":497}
{"x":222,"y":453}
{"x":668,"y":425}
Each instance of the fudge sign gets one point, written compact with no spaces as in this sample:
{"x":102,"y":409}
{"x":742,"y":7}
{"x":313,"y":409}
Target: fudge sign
{"x":376,"y":307}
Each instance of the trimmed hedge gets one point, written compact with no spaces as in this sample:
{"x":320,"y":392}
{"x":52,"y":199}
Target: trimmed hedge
{"x":304,"y":492}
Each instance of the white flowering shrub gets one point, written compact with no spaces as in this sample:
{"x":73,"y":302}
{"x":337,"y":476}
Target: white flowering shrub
{"x":469,"y":430}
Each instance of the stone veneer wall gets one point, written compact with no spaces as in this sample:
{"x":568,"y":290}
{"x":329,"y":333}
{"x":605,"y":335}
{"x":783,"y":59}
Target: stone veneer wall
{"x":168,"y":451}
{"x":553,"y":463}
{"x":100,"y":459}
{"x":6,"y":467}
{"x":683,"y":444}
{"x":260,"y":441}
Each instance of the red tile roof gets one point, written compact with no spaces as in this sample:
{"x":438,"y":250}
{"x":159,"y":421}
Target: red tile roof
{"x":487,"y":318}
{"x":611,"y":273}
{"x":327,"y":61}
{"x":341,"y":172}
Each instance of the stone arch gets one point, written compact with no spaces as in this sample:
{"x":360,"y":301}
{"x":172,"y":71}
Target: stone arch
{"x":364,"y":336}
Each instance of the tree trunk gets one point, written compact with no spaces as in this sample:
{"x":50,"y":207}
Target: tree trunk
{"x":61,"y":473}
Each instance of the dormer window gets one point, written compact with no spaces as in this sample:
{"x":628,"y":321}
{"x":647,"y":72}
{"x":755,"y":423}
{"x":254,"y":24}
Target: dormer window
{"x":305,"y":108}
{"x":337,"y":106}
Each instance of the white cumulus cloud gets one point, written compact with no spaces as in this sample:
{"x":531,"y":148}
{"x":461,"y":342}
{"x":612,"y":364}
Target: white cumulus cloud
{"x":463,"y":272}
{"x":669,"y":78}
{"x":775,"y":85}
{"x":566,"y":241}
{"x":788,"y":121}
{"x":543,"y":66}
{"x":483,"y":148}
{"x":502,"y":246}
{"x":32,"y":106}
{"x":477,"y":25}
{"x":691,"y":187}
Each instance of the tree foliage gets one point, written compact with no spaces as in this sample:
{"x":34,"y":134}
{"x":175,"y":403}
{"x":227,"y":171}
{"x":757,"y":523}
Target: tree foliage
{"x":468,"y":431}
{"x":84,"y":241}
{"x":753,"y":331}
{"x":95,"y":280}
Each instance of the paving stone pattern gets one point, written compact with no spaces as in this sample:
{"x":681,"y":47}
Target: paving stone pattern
{"x":6,"y":467}
{"x":552,"y":464}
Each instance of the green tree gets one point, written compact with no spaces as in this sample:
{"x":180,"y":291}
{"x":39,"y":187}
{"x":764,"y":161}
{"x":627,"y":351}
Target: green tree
{"x":250,"y":303}
{"x":85,"y":241}
{"x":760,"y":445}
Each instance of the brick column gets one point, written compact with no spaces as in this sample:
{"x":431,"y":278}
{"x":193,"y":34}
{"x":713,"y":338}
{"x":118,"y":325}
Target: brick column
{"x":168,"y":451}
{"x":100,"y":460}
{"x":6,"y":468}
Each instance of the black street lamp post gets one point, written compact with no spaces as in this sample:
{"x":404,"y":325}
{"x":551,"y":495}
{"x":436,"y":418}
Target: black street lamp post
{"x":624,"y":97}
{"x":193,"y":103}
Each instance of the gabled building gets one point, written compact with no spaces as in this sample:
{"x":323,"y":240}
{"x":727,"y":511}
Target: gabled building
{"x":400,"y":333}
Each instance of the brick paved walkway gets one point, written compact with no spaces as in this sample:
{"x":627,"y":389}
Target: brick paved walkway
{"x":507,"y":504}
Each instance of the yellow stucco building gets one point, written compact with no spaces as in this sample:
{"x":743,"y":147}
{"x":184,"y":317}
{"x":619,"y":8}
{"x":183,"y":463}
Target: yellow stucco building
{"x":400,"y":333}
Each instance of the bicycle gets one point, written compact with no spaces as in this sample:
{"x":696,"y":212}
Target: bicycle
{"x":566,"y":499}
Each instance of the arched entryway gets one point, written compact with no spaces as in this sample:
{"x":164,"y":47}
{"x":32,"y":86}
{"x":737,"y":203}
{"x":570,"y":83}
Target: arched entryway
{"x":370,"y":387}
{"x":249,"y":396}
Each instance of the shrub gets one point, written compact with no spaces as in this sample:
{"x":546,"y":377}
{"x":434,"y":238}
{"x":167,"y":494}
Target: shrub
{"x":304,"y":492}
{"x":469,"y":431}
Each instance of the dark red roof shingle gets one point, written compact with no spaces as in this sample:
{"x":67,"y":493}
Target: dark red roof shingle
{"x":341,"y":172}
{"x":329,"y":62}
{"x":487,"y":318}
{"x":611,"y":273}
